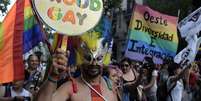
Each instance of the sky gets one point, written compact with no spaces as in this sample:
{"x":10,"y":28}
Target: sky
{"x":9,"y":7}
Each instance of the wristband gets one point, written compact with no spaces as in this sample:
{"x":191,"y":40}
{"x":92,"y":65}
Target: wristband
{"x":52,"y":80}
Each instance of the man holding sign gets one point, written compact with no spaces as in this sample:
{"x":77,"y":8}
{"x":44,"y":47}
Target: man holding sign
{"x":89,"y":87}
{"x":75,"y":17}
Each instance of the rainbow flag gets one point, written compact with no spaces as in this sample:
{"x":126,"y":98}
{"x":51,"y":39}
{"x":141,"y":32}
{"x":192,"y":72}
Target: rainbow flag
{"x":19,"y":32}
{"x":153,"y":34}
{"x":32,"y":34}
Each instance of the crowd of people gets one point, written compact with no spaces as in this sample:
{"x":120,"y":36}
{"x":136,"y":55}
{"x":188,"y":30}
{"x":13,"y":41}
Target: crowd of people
{"x":25,"y":90}
{"x":126,"y":80}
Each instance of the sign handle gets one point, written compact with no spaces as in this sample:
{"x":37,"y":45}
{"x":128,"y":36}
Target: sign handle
{"x":64,"y":43}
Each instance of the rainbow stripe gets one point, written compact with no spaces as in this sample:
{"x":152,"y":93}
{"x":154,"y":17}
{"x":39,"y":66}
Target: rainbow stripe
{"x":152,"y":33}
{"x":1,"y":36}
{"x":32,"y":34}
{"x":19,"y":32}
{"x":144,"y":36}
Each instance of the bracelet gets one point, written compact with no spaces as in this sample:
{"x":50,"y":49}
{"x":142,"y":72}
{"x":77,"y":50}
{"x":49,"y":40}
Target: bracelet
{"x":51,"y":79}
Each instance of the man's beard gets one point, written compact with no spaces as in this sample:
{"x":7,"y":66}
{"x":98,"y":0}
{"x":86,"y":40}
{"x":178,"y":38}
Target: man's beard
{"x":91,"y":71}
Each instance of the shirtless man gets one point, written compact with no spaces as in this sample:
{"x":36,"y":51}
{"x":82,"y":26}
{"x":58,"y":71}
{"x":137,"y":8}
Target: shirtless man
{"x":90,"y":86}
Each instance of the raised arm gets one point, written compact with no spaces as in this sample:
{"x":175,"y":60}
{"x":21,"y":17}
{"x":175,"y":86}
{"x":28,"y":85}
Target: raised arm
{"x":153,"y":80}
{"x":59,"y":65}
{"x":151,"y":83}
{"x":181,"y":75}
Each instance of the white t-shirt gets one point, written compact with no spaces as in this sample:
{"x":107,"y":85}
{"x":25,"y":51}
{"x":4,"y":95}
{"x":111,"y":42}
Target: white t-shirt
{"x":2,"y":91}
{"x":177,"y":91}
{"x":24,"y":93}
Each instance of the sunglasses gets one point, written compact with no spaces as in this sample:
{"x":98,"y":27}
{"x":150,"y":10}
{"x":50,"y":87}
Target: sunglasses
{"x":124,"y":65}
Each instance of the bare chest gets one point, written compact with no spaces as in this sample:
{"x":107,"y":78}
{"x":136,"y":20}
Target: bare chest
{"x":84,"y":94}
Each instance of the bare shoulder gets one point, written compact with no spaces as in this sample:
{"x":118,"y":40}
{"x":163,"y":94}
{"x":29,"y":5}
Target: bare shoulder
{"x":64,"y":92}
{"x":68,"y":86}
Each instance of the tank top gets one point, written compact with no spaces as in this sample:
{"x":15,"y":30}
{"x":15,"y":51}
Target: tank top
{"x":94,"y":95}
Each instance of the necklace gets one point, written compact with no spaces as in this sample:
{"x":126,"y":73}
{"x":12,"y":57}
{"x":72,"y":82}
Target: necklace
{"x":89,"y":85}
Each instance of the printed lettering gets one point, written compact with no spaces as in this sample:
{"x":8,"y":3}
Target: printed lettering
{"x":150,"y":50}
{"x":139,"y":25}
{"x":81,"y":18}
{"x":153,"y":19}
{"x":153,"y":33}
{"x":69,"y":2}
{"x":54,"y":13}
{"x":69,"y":16}
{"x":132,"y":48}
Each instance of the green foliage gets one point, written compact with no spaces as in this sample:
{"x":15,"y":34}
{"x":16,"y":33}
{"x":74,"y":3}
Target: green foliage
{"x":171,"y":7}
{"x":115,"y":3}
{"x":112,"y":3}
{"x":4,"y":6}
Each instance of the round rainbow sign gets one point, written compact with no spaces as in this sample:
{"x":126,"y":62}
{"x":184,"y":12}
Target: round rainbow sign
{"x":70,"y":17}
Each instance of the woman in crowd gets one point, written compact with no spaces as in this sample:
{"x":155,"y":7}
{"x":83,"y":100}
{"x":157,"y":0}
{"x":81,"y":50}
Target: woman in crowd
{"x":176,"y":82}
{"x":149,"y":83}
{"x":15,"y":92}
{"x":115,"y":74}
{"x":193,"y":81}
{"x":162,"y":81}
{"x":129,"y":80}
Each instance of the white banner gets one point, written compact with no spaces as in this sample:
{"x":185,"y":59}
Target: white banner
{"x":191,"y":24}
{"x":188,"y":54}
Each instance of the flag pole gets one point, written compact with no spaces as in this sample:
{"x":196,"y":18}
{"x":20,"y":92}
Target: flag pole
{"x":178,"y":15}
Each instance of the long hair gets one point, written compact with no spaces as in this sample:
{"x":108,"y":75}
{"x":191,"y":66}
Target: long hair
{"x":150,"y":66}
{"x":126,"y":60}
{"x":172,"y":67}
{"x":28,"y":59}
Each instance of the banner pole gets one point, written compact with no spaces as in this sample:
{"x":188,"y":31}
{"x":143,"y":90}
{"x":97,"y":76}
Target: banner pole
{"x":64,"y":43}
{"x":178,"y":15}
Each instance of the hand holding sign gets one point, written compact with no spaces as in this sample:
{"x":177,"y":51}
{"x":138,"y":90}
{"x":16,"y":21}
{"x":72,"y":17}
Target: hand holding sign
{"x":71,"y":17}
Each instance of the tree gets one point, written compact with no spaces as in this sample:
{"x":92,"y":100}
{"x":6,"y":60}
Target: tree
{"x":196,"y":4}
{"x":172,"y":7}
{"x":4,"y":6}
